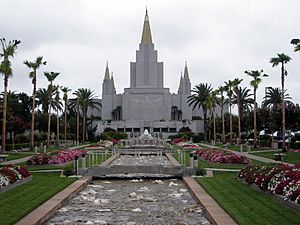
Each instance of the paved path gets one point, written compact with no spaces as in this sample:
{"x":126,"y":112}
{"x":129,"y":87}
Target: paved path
{"x":16,"y":161}
{"x":251,"y":156}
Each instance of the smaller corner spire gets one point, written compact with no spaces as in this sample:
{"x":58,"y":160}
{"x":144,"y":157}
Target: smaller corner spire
{"x":186,"y":72}
{"x":106,"y":76}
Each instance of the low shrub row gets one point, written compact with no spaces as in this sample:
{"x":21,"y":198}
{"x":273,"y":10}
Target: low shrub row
{"x":55,"y":157}
{"x":220,"y":156}
{"x":278,"y":179}
{"x":10,"y":174}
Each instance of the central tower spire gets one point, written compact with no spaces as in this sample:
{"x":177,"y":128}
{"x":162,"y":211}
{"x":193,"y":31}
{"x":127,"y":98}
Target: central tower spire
{"x":146,"y":36}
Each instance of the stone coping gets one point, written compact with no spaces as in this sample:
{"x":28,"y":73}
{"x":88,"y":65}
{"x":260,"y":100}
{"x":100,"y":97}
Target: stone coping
{"x":172,"y":159}
{"x":110,"y":160}
{"x":17,"y":183}
{"x":44,"y":212}
{"x":213,"y":211}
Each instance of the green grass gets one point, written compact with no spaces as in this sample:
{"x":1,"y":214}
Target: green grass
{"x":291,"y":157}
{"x":233,"y":147}
{"x":21,"y":200}
{"x":245,"y":205}
{"x":17,"y":155}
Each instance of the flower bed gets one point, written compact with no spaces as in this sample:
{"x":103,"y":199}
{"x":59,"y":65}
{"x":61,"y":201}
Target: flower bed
{"x":10,"y":174}
{"x":220,"y":156}
{"x":56,"y":157}
{"x":280,"y":179}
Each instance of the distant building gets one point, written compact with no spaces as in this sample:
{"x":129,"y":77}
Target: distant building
{"x":147,"y":104}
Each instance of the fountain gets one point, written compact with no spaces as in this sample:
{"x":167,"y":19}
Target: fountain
{"x":146,"y":136}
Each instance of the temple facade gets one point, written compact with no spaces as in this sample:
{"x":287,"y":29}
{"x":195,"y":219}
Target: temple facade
{"x":147,"y":104}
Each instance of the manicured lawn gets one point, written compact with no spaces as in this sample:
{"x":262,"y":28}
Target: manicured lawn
{"x":17,"y":155}
{"x":291,"y":157}
{"x":21,"y":200}
{"x":245,"y":205}
{"x":234,"y":147}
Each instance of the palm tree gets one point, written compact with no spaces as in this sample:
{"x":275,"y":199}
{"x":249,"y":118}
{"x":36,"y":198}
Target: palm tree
{"x":256,"y":75}
{"x":199,"y":99}
{"x":273,"y":98}
{"x":8,"y":51}
{"x":211,"y":104}
{"x":221,"y":91}
{"x":50,"y":77}
{"x":237,"y":90}
{"x":282,"y":59}
{"x":58,"y":106}
{"x":296,"y":42}
{"x":34,"y":66}
{"x":229,"y":86}
{"x":65,"y":90}
{"x":84,"y":100}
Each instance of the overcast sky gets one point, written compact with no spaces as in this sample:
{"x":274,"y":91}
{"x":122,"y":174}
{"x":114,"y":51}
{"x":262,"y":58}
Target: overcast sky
{"x":219,"y":39}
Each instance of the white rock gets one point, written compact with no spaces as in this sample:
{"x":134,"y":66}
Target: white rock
{"x":89,"y":222}
{"x":111,"y":190}
{"x":137,"y":210}
{"x":134,"y":181}
{"x":143,"y":189}
{"x":63,"y":209}
{"x":97,"y":201}
{"x":184,"y":201}
{"x":104,"y":201}
{"x":130,"y":223}
{"x":106,"y":182}
{"x":132,"y":195}
{"x":158,"y":182}
{"x":83,"y":198}
{"x":91,"y":192}
{"x":95,"y":186}
{"x":172,"y":184}
{"x":148,"y":199}
{"x":103,"y":210}
{"x":183,"y":190}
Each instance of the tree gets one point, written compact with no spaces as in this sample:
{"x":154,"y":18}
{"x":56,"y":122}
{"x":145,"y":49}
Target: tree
{"x":273,"y":98}
{"x":84,"y":100}
{"x":211,"y":104}
{"x":42,"y":97}
{"x":33,"y":75}
{"x":221,"y":91}
{"x":199,"y":99}
{"x":229,"y":89}
{"x":8,"y":51}
{"x":50,"y":77}
{"x":256,"y":75}
{"x":65,"y":90}
{"x":237,"y":90}
{"x":282,"y":59}
{"x":296,"y":42}
{"x":58,"y":107}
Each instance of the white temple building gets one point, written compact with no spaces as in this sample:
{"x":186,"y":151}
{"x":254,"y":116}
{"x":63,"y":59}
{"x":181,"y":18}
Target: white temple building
{"x":147,"y":104}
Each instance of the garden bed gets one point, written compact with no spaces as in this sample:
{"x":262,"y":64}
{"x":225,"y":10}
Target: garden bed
{"x":56,"y":158}
{"x":12,"y":176}
{"x":281,"y":180}
{"x":221,"y":157}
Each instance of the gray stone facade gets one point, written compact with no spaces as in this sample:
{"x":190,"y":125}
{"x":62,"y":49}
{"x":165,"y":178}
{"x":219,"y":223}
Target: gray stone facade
{"x":147,"y":104}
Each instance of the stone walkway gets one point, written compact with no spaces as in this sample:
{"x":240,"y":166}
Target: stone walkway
{"x":250,"y":156}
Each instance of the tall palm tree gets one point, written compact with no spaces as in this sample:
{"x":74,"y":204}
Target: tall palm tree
{"x":35,"y":65}
{"x":50,"y":77}
{"x":237,"y":90}
{"x":8,"y":51}
{"x":65,"y":90}
{"x":296,"y":42}
{"x":198,"y":99}
{"x":256,"y":75}
{"x":211,"y":104}
{"x":229,"y":86}
{"x":221,"y":90}
{"x":282,"y":59}
{"x":58,"y":107}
